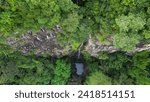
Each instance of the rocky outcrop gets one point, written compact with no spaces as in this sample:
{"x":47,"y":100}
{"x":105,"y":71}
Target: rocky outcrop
{"x":45,"y":42}
{"x":39,"y":43}
{"x":94,"y":47}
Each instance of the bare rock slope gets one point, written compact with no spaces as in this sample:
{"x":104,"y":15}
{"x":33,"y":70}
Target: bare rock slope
{"x":45,"y":42}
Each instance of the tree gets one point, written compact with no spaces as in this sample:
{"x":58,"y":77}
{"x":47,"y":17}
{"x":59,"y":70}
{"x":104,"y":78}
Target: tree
{"x":5,"y":50}
{"x":20,"y":16}
{"x":62,"y":72}
{"x":140,"y":68}
{"x":38,"y":70}
{"x":18,"y":69}
{"x":98,"y":78}
{"x":125,"y":42}
{"x":128,"y":35}
{"x":131,"y":22}
{"x":9,"y":73}
{"x":71,"y":23}
{"x":146,"y":34}
{"x":66,"y":5}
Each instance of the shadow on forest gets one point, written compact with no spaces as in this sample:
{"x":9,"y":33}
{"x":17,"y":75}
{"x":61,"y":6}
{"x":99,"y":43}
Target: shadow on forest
{"x":79,"y":2}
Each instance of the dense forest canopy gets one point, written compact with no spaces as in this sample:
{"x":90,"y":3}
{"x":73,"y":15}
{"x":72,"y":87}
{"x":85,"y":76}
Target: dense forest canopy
{"x":123,"y":24}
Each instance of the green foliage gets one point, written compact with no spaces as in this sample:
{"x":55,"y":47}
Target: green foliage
{"x":116,"y":67}
{"x":130,"y":22}
{"x":91,"y":63}
{"x":129,"y":27}
{"x":134,"y":2}
{"x":71,"y":23}
{"x":129,"y":2}
{"x":66,"y":5}
{"x":87,"y":57}
{"x":126,"y":21}
{"x":28,"y":70}
{"x":100,"y":18}
{"x":75,"y":45}
{"x":38,"y":71}
{"x":37,"y":76}
{"x":114,"y":63}
{"x":123,"y":79}
{"x":8,"y":71}
{"x":122,"y":69}
{"x":62,"y":72}
{"x":140,"y":68}
{"x":5,"y":49}
{"x":103,"y":55}
{"x":20,"y":16}
{"x":98,"y":78}
{"x":126,"y":43}
{"x":146,"y":34}
{"x":92,"y":66}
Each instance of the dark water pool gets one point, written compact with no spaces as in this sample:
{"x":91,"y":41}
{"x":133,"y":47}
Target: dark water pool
{"x":79,"y":68}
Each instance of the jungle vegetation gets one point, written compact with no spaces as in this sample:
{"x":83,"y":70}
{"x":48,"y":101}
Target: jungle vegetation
{"x":127,"y":21}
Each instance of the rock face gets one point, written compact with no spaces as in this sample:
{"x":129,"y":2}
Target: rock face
{"x":42,"y":42}
{"x":45,"y":42}
{"x":94,"y":47}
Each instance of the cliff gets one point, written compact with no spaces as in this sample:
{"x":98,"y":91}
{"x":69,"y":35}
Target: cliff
{"x":44,"y":42}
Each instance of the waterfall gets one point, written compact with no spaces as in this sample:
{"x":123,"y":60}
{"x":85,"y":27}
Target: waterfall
{"x":79,"y":51}
{"x":78,"y":54}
